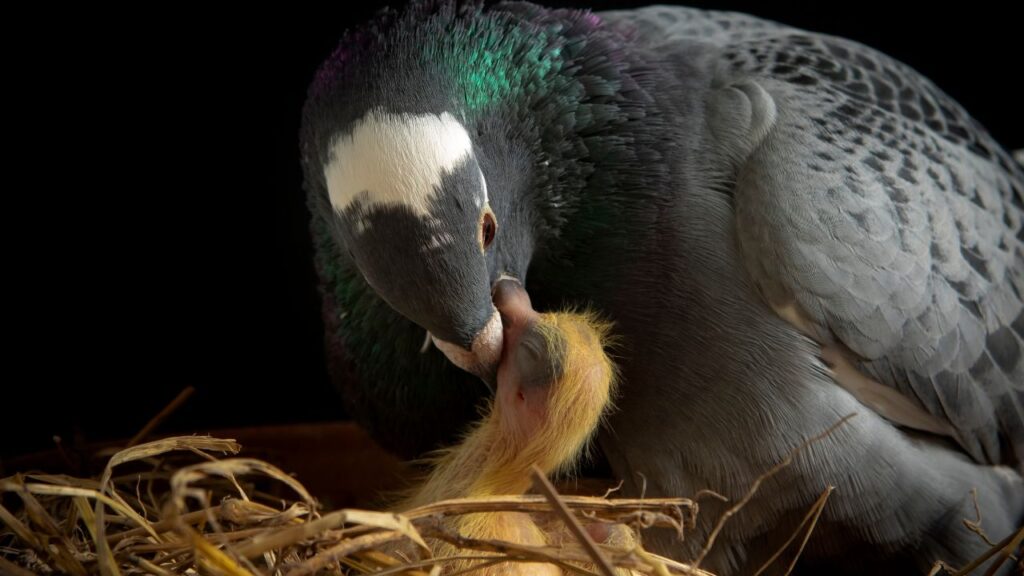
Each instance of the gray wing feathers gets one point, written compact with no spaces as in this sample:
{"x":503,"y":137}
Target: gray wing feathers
{"x":877,"y":204}
{"x":898,"y":232}
{"x":663,"y":24}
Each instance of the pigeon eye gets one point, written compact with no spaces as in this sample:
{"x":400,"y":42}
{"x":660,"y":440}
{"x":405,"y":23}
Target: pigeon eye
{"x":488,"y":228}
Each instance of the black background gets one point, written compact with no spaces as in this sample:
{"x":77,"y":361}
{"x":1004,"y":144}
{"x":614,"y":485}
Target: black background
{"x":154,"y":228}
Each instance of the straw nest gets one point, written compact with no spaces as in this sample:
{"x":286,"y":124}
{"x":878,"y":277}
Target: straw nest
{"x":173,"y":506}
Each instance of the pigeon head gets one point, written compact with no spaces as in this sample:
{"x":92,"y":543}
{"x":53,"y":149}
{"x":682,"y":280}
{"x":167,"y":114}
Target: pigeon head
{"x":444,"y":146}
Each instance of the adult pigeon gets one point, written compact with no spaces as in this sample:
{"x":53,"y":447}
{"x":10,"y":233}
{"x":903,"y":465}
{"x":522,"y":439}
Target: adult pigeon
{"x":785,"y":228}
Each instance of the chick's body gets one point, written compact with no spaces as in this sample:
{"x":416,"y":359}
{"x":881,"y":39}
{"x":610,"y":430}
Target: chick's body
{"x":554,"y":385}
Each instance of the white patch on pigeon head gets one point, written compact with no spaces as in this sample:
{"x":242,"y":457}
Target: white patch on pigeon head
{"x":395,"y":160}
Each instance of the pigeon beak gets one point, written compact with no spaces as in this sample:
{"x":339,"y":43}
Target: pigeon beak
{"x":512,"y":311}
{"x":484,"y":353}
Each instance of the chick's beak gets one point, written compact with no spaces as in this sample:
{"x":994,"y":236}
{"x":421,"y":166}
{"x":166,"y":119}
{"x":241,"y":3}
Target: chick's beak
{"x":513,"y":303}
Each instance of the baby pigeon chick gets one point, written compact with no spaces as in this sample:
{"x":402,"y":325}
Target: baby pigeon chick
{"x":554,"y":383}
